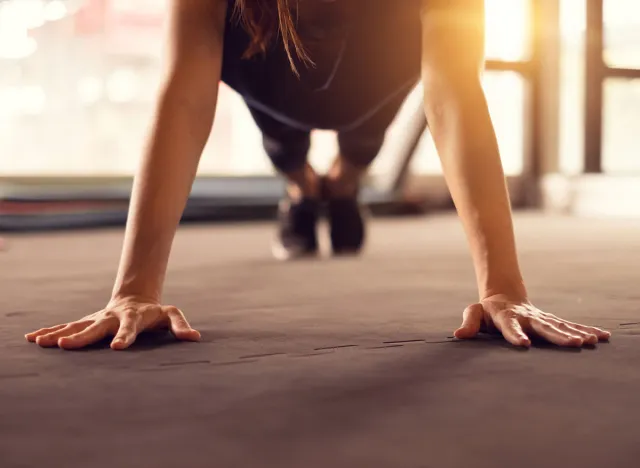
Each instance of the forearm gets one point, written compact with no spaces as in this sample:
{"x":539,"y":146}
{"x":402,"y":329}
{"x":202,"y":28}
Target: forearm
{"x":464,"y":136}
{"x":161,"y":189}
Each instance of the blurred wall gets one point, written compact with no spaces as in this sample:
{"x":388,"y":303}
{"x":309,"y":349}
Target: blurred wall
{"x":78,"y":79}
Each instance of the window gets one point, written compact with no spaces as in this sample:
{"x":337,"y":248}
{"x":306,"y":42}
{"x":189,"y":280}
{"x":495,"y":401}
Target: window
{"x":507,"y":33}
{"x":621,"y":126}
{"x":572,"y":86}
{"x":507,"y":29}
{"x":78,"y":82}
{"x":622,"y":39}
{"x":621,"y":99}
{"x":505,"y":94}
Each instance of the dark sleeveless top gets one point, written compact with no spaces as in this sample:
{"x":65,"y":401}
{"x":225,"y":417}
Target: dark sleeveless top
{"x":365,"y":53}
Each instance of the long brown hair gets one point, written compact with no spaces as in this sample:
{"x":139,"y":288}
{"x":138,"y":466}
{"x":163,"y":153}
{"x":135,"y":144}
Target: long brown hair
{"x":264,"y":20}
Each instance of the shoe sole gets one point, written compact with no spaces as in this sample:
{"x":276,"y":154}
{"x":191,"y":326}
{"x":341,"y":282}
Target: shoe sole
{"x":283,"y":254}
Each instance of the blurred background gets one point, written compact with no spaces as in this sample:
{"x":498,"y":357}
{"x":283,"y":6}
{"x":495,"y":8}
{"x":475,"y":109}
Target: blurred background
{"x":78,"y":80}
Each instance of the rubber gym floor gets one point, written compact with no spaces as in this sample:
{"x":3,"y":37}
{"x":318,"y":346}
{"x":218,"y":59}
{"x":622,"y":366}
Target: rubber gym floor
{"x":324,"y":363}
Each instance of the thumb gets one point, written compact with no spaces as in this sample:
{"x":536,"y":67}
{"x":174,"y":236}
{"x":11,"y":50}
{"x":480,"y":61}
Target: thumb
{"x":179,"y":326}
{"x":471,"y":322}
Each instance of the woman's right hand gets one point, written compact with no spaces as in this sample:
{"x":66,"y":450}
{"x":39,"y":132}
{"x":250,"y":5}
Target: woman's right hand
{"x":123,"y":318}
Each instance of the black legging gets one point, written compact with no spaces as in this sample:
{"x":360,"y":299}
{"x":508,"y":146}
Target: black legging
{"x":365,"y":66}
{"x":287,"y":147}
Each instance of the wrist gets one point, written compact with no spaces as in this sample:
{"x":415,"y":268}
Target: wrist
{"x":500,"y":274}
{"x":513,"y":288}
{"x":138,"y":291}
{"x":124,"y":297}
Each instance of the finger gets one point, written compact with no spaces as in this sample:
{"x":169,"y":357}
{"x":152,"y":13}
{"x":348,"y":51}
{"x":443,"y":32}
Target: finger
{"x":587,"y":338}
{"x":180,"y":327}
{"x":31,"y":337}
{"x":471,"y":322}
{"x":554,"y":335}
{"x":51,"y":339}
{"x":602,"y":335}
{"x":512,"y":331}
{"x":127,"y":332}
{"x":92,"y":334}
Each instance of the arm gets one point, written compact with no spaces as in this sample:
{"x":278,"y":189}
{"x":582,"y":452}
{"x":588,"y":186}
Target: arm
{"x":456,"y":108}
{"x":183,"y":121}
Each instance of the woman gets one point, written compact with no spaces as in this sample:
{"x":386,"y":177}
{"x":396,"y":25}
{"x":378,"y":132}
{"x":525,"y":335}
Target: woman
{"x":344,"y":65}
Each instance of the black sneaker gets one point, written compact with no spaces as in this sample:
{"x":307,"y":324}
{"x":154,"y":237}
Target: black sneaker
{"x":297,"y":234}
{"x":347,"y":221}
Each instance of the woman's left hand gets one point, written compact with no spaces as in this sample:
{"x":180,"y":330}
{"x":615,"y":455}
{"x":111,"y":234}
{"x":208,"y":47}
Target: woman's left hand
{"x":519,"y":321}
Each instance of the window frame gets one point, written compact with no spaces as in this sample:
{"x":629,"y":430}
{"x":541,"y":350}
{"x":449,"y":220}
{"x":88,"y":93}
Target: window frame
{"x":598,"y":72}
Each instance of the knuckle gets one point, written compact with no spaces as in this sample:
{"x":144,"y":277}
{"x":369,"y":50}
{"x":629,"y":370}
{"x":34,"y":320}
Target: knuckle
{"x":109,"y":314}
{"x":173,"y":310}
{"x":130,"y":314}
{"x":504,"y":316}
{"x":524,"y":312}
{"x":543,"y":325}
